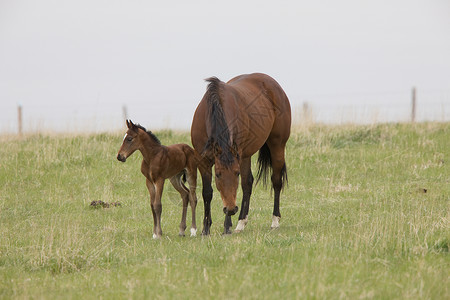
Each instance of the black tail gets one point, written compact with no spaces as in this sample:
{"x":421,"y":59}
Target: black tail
{"x":265,"y":163}
{"x":183,"y":177}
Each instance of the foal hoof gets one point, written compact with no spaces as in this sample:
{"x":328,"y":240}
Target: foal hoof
{"x":156,"y":237}
{"x":193,"y":231}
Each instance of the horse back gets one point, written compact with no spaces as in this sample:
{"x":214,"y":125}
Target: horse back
{"x":256,"y":108}
{"x":256,"y":87}
{"x":263,"y":110}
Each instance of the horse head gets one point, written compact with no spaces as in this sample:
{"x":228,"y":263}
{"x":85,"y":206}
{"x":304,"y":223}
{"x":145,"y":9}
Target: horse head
{"x":130,"y":142}
{"x":227,"y":171}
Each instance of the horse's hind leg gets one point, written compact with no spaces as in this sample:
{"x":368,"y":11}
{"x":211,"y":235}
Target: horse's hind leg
{"x":247,"y":184}
{"x":192,"y":181}
{"x":184,"y":193}
{"x":279,"y":176}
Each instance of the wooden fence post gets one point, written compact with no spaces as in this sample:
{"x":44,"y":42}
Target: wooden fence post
{"x":306,"y":114}
{"x":125,"y":112}
{"x":413,"y":108}
{"x":19,"y":119}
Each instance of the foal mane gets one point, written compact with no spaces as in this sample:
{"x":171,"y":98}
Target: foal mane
{"x":150,"y":134}
{"x":220,"y":133}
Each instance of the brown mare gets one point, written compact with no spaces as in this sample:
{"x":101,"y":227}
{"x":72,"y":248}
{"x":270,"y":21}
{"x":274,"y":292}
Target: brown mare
{"x":159,"y":163}
{"x":232,"y":122}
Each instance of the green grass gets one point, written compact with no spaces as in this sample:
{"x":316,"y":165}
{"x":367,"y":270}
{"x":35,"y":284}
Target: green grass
{"x":356,"y":222}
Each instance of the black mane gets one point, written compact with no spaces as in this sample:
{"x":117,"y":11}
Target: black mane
{"x":220,"y":133}
{"x":150,"y":134}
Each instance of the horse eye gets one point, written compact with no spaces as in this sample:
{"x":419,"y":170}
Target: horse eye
{"x":129,"y":139}
{"x":218,"y":175}
{"x":237,"y":174}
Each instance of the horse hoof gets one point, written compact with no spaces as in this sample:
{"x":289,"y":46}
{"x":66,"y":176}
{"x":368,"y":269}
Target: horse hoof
{"x":193,"y":232}
{"x":181,"y":234}
{"x":275,"y":222}
{"x":156,"y":237}
{"x":240,"y":226}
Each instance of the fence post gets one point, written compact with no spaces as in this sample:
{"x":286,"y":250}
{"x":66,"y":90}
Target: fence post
{"x":306,"y":114}
{"x":19,"y":119}
{"x":413,"y":109}
{"x":125,"y":112}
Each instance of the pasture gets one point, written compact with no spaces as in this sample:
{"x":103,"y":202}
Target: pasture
{"x":365,"y":215}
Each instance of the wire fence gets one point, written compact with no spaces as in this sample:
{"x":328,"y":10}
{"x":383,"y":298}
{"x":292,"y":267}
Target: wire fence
{"x":412,"y":106}
{"x":366,"y":108}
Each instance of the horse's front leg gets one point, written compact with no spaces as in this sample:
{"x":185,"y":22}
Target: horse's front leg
{"x":151,"y":191}
{"x":247,"y":184}
{"x":207,"y":193}
{"x":227,"y":224}
{"x":157,"y":206}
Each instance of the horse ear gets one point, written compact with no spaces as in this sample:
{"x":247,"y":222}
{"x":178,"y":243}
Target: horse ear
{"x":128,"y":123}
{"x":216,"y":149}
{"x":131,"y":125}
{"x":234,"y":150}
{"x":209,"y":147}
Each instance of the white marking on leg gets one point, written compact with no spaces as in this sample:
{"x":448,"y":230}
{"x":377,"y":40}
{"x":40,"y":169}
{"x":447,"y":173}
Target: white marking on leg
{"x":275,"y":222}
{"x":193,"y":231}
{"x":240,"y":226}
{"x":155,"y":236}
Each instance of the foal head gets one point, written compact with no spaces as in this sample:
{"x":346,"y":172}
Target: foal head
{"x":131,"y":142}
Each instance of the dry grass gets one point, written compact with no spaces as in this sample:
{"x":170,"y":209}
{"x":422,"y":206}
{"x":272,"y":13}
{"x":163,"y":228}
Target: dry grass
{"x":356,"y":222}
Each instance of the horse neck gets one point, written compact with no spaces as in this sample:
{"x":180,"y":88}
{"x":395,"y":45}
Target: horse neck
{"x":230,"y":124}
{"x":149,"y":148}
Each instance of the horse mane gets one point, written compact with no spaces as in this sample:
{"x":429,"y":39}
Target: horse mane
{"x":220,"y":133}
{"x":150,"y":134}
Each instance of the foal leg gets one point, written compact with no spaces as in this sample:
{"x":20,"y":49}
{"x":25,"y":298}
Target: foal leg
{"x":159,"y":186}
{"x":278,"y":177}
{"x":184,"y":193}
{"x":151,"y":190}
{"x":246,"y":184}
{"x":192,"y":181}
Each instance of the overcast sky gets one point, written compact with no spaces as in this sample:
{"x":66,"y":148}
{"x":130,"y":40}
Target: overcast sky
{"x":74,"y":64}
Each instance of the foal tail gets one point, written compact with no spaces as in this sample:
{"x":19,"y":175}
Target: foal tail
{"x":183,"y":177}
{"x":265,"y":163}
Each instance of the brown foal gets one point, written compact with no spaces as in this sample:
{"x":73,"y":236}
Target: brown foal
{"x":159,"y":163}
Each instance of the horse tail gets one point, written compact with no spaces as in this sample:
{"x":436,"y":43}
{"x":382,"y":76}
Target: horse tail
{"x":265,"y":163}
{"x":183,"y":177}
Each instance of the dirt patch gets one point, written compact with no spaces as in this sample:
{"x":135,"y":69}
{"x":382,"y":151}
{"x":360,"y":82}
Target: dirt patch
{"x":98,"y":204}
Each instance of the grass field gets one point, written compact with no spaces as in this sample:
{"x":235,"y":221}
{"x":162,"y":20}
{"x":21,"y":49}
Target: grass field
{"x":365,"y":215}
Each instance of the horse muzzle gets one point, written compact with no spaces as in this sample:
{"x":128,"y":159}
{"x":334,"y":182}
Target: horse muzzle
{"x":121,"y":158}
{"x":230,"y":212}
